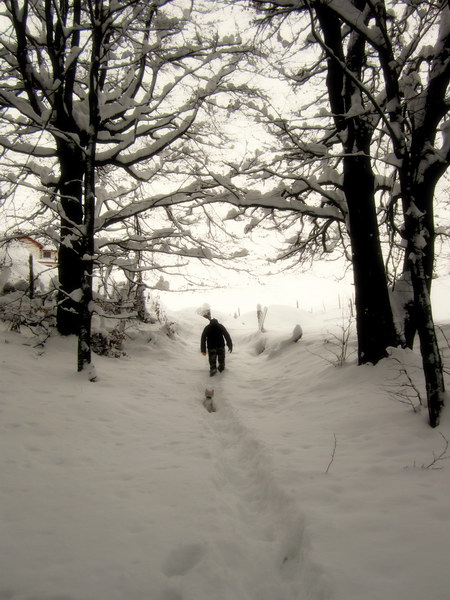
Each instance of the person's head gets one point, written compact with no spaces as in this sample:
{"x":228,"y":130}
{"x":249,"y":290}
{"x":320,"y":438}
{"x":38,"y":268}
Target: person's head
{"x":214,"y":322}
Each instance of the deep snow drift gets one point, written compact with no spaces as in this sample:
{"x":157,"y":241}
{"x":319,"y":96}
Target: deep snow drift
{"x":310,"y":482}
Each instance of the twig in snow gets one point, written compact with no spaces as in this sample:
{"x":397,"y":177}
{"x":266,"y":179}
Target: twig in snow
{"x":338,"y":344}
{"x":403,"y":394}
{"x":440,"y":457}
{"x":445,"y":368}
{"x":333,"y":454}
{"x":443,"y":335}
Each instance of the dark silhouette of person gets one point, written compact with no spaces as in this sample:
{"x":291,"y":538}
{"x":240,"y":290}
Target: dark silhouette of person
{"x":214,"y":337}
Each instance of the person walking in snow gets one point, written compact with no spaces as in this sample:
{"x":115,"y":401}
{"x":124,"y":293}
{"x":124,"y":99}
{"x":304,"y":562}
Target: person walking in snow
{"x":214,"y":337}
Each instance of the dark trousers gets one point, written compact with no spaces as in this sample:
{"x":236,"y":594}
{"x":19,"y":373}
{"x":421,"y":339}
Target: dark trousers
{"x":216,"y":356}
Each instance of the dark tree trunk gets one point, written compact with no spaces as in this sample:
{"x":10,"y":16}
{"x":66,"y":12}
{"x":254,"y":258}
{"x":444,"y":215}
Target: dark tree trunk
{"x":84,"y":336}
{"x":70,"y":265}
{"x":410,"y":323}
{"x":31,"y":276}
{"x":429,"y":348}
{"x":424,"y":192}
{"x":375,"y":324}
{"x":374,"y":318}
{"x":419,"y":233}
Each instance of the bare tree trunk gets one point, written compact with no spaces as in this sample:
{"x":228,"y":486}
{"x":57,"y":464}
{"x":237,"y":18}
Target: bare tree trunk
{"x":423,"y":193}
{"x":84,"y":338}
{"x":139,"y":298}
{"x":139,"y":304}
{"x":419,"y":232}
{"x":71,"y":162}
{"x":429,"y":348}
{"x":70,"y":265}
{"x":374,"y":318}
{"x":84,"y":335}
{"x":31,"y":277}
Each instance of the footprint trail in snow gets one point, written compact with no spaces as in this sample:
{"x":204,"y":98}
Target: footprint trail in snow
{"x":258,"y":527}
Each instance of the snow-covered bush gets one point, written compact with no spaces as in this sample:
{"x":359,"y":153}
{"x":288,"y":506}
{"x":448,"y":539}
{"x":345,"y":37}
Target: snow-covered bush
{"x":19,"y":310}
{"x":158,"y":314}
{"x":108,"y":343}
{"x":27,"y":293}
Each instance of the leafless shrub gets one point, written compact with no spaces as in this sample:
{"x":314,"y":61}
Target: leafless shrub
{"x":439,"y":458}
{"x":406,"y":391}
{"x":36,"y":315}
{"x":159,"y":315}
{"x":338,"y":343}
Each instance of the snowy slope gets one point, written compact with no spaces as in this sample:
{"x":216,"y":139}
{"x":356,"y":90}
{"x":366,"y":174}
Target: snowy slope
{"x":310,"y":482}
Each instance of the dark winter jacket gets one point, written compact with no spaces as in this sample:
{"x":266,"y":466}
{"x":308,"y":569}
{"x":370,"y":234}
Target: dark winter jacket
{"x":213,"y":336}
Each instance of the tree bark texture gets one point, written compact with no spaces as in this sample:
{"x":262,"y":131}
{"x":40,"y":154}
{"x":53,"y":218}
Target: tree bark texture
{"x":375,"y":324}
{"x":31,"y":277}
{"x":419,"y":260}
{"x":70,"y":264}
{"x":87,"y":254}
{"x":429,"y":348}
{"x":87,"y":257}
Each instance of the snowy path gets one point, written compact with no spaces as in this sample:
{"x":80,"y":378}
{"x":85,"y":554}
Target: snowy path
{"x":265,"y":528}
{"x":260,"y":550}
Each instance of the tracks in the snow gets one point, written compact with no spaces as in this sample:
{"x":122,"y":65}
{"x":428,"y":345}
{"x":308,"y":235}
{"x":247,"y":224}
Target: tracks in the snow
{"x":264,"y":527}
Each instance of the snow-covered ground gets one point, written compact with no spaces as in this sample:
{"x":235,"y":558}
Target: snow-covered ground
{"x":309,"y":482}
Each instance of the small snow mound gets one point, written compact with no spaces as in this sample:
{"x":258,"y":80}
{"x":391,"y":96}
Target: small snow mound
{"x":297,"y":334}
